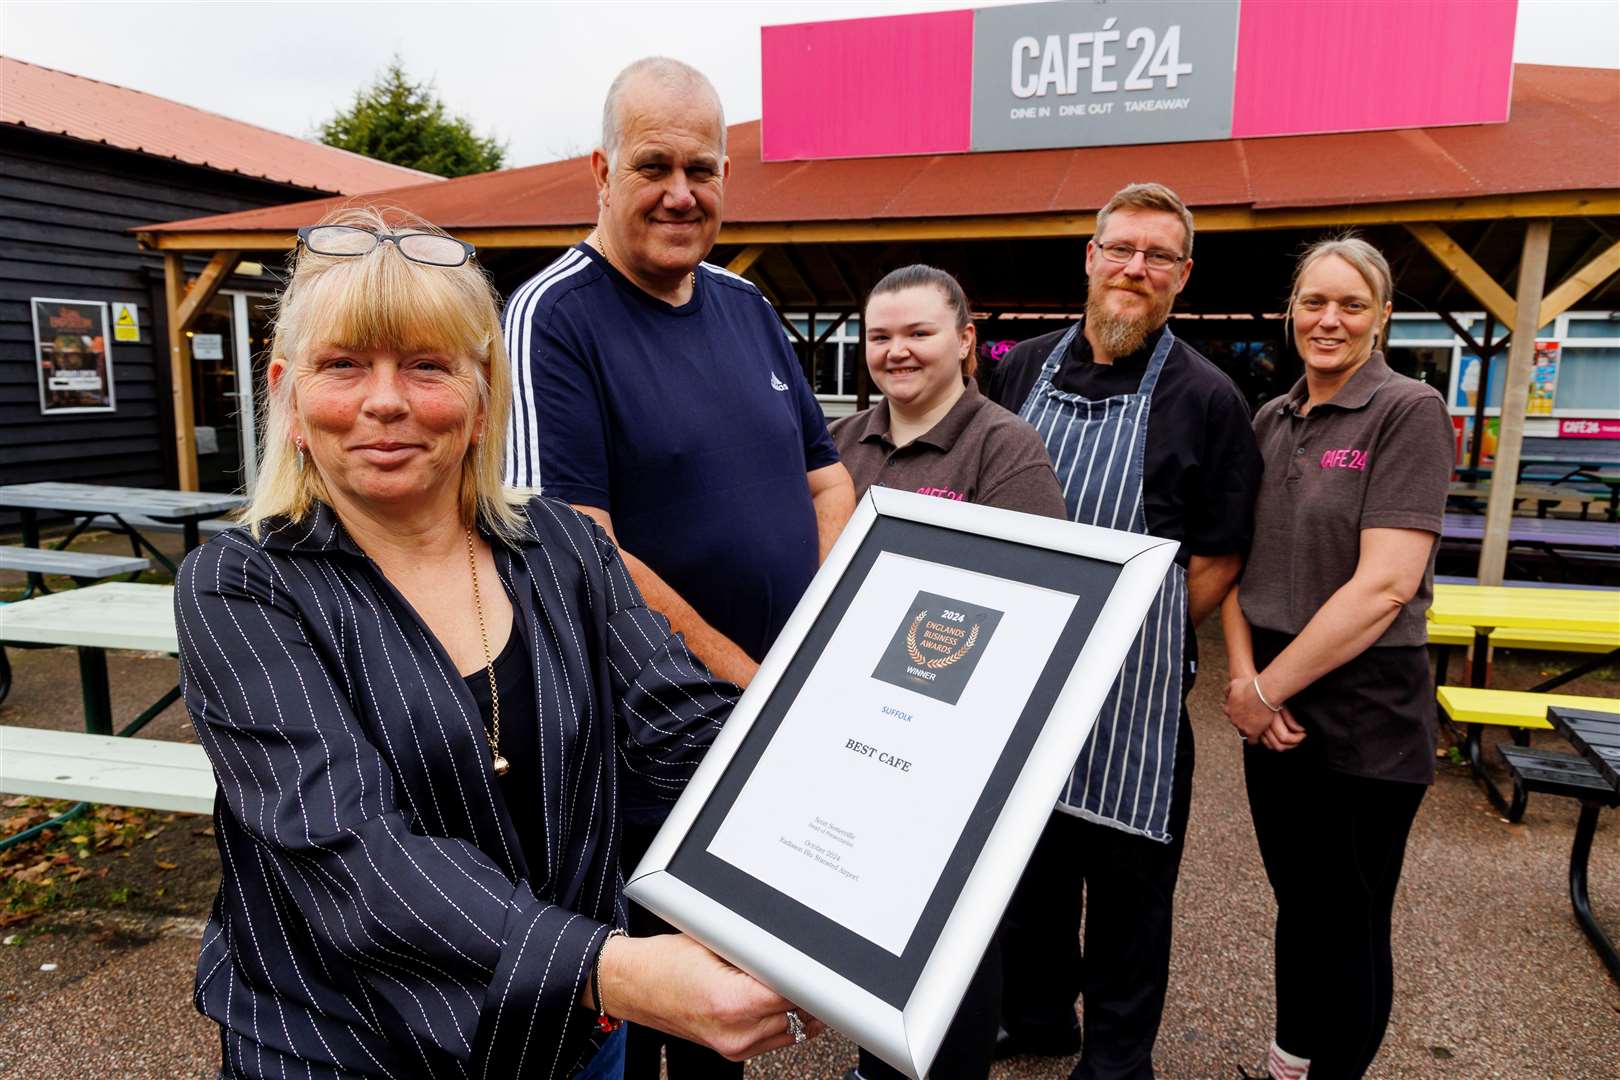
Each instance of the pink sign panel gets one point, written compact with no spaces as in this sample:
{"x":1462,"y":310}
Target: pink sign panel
{"x":1589,"y":429}
{"x":1096,"y":73}
{"x":868,"y":87}
{"x":1304,"y":68}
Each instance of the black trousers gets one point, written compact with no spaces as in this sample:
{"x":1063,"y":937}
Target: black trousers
{"x":970,"y":1041}
{"x":1128,"y":885}
{"x":1332,"y":844}
{"x":644,"y":1045}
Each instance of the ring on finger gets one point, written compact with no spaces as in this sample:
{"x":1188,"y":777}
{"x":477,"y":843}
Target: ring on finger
{"x":795,"y":1026}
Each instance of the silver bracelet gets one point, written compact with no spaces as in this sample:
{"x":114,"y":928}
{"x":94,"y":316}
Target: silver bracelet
{"x":1261,"y":695}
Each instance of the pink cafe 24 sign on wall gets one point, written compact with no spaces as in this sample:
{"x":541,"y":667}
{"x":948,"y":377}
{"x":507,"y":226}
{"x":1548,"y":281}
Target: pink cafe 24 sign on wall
{"x":1095,"y":73}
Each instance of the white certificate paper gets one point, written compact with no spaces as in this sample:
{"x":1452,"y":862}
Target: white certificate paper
{"x":866,"y":786}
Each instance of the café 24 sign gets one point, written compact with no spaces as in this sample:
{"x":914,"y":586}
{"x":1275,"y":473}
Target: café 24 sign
{"x":1110,"y":72}
{"x":1048,"y":75}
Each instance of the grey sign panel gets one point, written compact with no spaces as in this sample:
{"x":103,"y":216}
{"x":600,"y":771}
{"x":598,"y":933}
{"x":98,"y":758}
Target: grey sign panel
{"x":1103,"y":73}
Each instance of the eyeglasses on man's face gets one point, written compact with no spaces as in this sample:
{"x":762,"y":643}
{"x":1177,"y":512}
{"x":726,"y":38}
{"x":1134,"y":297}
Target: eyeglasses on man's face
{"x":1156,"y":258}
{"x":433,"y":249}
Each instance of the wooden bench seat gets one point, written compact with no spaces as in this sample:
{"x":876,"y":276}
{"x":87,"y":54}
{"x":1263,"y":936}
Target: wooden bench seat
{"x":79,"y":565}
{"x":1522,"y":712}
{"x":207,"y":528}
{"x":1551,"y":772}
{"x":1582,"y":641}
{"x":1451,"y":634}
{"x":157,"y":775}
{"x":1513,"y":708}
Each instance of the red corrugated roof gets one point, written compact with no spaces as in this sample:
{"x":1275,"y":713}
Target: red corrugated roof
{"x":54,"y":101}
{"x":1563,"y":135}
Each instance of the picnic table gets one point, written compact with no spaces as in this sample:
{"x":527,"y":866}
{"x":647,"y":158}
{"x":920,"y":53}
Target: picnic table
{"x":1476,"y":496}
{"x":1491,"y":607}
{"x":1484,"y":608}
{"x":88,"y":502}
{"x":1596,"y":736}
{"x":1610,"y":480}
{"x":116,"y":615}
{"x":1538,"y":532}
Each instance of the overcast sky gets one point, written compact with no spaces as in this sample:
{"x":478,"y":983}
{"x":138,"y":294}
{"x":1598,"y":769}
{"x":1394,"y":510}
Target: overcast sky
{"x":531,"y":74}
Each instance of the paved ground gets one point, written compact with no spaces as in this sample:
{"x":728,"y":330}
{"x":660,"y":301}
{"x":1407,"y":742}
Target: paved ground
{"x":1495,"y":979}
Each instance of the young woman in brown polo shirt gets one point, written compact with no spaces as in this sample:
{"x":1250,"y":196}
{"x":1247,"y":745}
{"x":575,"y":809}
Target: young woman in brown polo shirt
{"x":934,"y":433}
{"x":1330,"y":678}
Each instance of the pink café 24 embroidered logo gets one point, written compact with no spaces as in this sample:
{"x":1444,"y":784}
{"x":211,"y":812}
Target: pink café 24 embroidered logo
{"x":1344,"y":459}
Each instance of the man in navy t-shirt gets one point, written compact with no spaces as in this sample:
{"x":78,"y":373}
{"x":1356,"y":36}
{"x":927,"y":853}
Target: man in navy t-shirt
{"x":658,"y":394}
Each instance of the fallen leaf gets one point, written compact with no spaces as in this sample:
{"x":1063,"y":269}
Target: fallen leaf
{"x":161,"y":865}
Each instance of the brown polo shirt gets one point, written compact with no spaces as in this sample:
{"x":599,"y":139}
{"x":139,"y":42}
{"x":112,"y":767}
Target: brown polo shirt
{"x":978,"y":453}
{"x":1378,"y":455}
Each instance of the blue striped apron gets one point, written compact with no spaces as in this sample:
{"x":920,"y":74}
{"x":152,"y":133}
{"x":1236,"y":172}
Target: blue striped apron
{"x":1123,"y":775}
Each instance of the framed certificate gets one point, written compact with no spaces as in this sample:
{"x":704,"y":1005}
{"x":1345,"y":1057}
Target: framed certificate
{"x":855,"y":833}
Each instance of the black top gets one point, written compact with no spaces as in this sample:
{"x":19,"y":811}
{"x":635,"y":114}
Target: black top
{"x":520,"y":744}
{"x":377,"y":902}
{"x":1202,"y":468}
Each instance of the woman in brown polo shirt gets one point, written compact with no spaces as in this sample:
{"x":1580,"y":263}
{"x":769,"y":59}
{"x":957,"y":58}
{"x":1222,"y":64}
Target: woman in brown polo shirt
{"x":1330,"y":678}
{"x":934,"y":433}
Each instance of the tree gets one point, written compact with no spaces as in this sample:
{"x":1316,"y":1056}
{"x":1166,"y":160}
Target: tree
{"x":404,"y":122}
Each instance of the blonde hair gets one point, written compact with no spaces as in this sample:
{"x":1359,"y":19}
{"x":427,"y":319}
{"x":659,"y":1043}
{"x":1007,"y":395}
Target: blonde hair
{"x":384,"y":300}
{"x":1149,"y":197}
{"x":1367,"y":261}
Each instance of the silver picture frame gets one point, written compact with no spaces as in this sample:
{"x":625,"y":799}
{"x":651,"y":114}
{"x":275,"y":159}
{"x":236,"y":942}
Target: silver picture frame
{"x":904,"y":1027}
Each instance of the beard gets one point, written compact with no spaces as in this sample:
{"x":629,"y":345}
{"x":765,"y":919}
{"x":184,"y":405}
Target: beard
{"x":1121,"y":335}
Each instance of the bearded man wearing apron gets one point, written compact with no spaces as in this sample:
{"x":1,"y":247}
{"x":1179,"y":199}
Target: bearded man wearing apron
{"x":1145,"y":435}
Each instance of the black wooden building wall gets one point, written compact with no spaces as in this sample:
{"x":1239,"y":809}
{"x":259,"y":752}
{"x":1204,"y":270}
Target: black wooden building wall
{"x":66,"y":208}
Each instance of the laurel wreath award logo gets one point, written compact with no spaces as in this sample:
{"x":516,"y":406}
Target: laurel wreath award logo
{"x":937,"y":645}
{"x":937,"y":662}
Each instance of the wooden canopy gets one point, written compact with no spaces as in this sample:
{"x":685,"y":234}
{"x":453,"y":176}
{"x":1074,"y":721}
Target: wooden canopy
{"x":1480,"y":217}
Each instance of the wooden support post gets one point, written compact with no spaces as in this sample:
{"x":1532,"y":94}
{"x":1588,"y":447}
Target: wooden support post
{"x":206,"y":287}
{"x":184,"y":305}
{"x":1575,"y":287}
{"x":1515,"y":398}
{"x":745,"y":258}
{"x":185,"y":425}
{"x":1462,"y":265}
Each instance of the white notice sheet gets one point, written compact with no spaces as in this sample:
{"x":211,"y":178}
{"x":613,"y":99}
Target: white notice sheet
{"x":855,"y":806}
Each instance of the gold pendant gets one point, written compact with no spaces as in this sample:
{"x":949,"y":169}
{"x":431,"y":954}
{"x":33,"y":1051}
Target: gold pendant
{"x":500,"y":765}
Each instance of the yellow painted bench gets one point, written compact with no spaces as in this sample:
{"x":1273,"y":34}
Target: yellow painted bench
{"x":1514,"y":708}
{"x":1509,"y":637}
{"x":1522,"y":710}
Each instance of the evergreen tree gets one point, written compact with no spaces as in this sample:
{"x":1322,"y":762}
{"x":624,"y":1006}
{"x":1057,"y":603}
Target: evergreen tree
{"x":403,"y":122}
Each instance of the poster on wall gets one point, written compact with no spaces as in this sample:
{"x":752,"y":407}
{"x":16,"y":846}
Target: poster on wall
{"x":1543,"y":379}
{"x":72,"y":354}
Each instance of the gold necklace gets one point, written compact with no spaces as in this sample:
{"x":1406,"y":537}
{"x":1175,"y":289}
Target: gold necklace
{"x":596,"y":241}
{"x":497,"y":764}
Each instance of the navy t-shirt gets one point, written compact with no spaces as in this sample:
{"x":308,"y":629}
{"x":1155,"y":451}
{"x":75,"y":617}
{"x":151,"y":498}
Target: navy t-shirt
{"x":693,"y":426}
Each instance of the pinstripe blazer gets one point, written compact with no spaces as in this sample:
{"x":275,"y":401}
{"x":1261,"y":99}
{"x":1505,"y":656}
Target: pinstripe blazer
{"x":376,"y":915}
